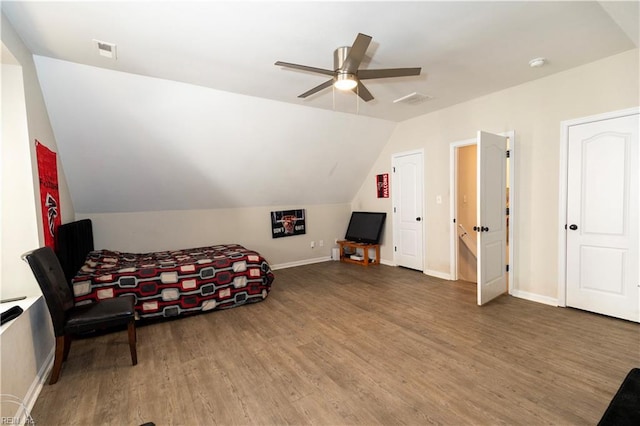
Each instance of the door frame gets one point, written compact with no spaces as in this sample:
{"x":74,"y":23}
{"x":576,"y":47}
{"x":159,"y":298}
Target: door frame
{"x":453,"y":245}
{"x":563,"y":185}
{"x":453,"y":201}
{"x":394,"y":156}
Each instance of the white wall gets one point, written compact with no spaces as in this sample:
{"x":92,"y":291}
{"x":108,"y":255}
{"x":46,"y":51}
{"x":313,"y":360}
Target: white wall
{"x":251,"y":227}
{"x":37,"y":119}
{"x":534,"y":111}
{"x":18,"y":213}
{"x":24,"y":120}
{"x":27,"y":342}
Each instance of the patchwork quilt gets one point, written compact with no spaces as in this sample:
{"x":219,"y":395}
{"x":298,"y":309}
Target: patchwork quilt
{"x":171,"y":283}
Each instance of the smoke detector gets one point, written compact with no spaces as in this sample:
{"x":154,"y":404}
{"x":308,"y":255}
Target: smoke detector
{"x":106,"y":49}
{"x":537,"y":62}
{"x":412,"y":99}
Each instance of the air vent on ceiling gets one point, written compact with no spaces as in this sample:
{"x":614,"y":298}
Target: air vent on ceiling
{"x":106,"y":49}
{"x":413,"y":99}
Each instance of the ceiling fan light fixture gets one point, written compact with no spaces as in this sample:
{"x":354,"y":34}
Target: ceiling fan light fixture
{"x":345,"y":81}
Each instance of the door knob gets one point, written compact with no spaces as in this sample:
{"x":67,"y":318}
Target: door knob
{"x":573,"y":227}
{"x":475,"y":228}
{"x":484,"y":229}
{"x":418,"y":219}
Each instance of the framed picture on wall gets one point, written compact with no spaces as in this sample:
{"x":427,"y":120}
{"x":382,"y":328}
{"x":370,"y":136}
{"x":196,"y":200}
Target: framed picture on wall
{"x":286,"y":223}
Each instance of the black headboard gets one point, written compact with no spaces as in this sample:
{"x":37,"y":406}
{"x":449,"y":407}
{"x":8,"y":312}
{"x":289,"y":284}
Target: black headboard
{"x":74,"y":241}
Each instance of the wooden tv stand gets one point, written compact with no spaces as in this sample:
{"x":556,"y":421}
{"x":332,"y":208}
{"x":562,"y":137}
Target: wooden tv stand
{"x":347,"y":248}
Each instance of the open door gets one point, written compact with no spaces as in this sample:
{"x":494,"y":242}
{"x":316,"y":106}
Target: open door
{"x":491,"y":229}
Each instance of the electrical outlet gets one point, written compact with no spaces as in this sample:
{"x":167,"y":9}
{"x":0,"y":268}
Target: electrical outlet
{"x":313,"y":244}
{"x":321,"y":242}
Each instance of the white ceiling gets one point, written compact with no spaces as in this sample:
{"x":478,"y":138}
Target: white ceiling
{"x":465,"y":49}
{"x":194,"y":114}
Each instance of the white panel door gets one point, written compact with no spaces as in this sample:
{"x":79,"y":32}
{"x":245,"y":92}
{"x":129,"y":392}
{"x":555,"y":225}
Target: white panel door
{"x":407,"y":210}
{"x":492,"y":226}
{"x":602,"y":217}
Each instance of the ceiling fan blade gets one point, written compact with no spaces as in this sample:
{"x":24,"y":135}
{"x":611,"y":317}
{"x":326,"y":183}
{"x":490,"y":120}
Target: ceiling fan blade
{"x":316,"y":89}
{"x":356,"y":53}
{"x":363,"y":92}
{"x":386,"y":73}
{"x":305,"y":68}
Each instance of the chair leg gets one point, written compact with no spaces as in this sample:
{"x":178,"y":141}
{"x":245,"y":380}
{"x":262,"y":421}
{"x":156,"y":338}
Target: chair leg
{"x":67,"y":345}
{"x":59,"y":358}
{"x":132,"y":342}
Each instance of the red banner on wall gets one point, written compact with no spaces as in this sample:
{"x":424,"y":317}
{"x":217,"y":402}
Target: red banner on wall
{"x":382,"y":185}
{"x":49,"y":196}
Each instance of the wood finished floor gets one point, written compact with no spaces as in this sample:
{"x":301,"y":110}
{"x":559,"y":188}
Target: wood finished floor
{"x":338,"y":344}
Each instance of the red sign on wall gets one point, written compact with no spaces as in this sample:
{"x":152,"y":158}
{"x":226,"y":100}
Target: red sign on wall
{"x":382,"y":183}
{"x":49,"y":197}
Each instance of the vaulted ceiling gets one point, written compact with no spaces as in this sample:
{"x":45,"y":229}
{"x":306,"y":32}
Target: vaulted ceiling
{"x":193,"y":113}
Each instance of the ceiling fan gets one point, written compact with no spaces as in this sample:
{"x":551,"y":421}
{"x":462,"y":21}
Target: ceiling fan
{"x":346,"y":75}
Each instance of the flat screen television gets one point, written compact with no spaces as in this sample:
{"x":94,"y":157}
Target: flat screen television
{"x":365,"y":227}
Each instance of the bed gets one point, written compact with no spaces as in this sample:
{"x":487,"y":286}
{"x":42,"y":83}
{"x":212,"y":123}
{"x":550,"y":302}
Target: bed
{"x":164,"y":284}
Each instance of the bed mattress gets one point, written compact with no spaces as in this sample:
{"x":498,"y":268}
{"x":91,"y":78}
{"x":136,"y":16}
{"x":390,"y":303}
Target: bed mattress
{"x":172,"y":283}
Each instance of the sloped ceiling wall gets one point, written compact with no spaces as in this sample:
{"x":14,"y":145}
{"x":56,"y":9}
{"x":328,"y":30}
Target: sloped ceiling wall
{"x":130,"y":143}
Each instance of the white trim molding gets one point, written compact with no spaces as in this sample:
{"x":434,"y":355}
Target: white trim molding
{"x":317,"y":260}
{"x":38,"y":382}
{"x":534,"y":297}
{"x":437,"y":274}
{"x":300,"y":263}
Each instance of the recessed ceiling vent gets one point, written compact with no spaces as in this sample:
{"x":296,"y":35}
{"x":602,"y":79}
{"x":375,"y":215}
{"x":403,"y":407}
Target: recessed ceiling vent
{"x":414,"y":98}
{"x":106,"y":49}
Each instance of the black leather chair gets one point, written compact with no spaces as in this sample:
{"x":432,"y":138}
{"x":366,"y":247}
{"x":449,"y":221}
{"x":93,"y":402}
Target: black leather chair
{"x":69,"y":319}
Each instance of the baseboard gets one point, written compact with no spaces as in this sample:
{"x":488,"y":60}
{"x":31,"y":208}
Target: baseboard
{"x":534,"y":297}
{"x":300,"y":263}
{"x":316,"y":260}
{"x":34,"y":390}
{"x":437,"y":274}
